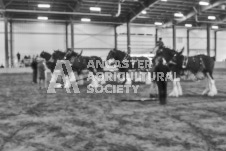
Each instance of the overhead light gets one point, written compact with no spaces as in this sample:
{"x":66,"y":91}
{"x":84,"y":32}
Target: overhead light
{"x":164,"y":0}
{"x":42,"y":18}
{"x":144,"y":12}
{"x":179,"y":15}
{"x":215,"y":27}
{"x":211,"y":17}
{"x":86,"y":20}
{"x":204,"y":3}
{"x":188,"y":25}
{"x":43,"y":5}
{"x":96,"y":9}
{"x":158,"y":23}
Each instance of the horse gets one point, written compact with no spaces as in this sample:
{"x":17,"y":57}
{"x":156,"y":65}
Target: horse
{"x":196,"y":64}
{"x":51,"y":62}
{"x":179,"y":64}
{"x":132,"y":63}
{"x":79,"y":63}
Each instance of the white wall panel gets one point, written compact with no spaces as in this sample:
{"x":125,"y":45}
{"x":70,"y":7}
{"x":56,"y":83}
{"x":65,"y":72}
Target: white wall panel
{"x":30,"y":38}
{"x":142,"y":38}
{"x":198,"y":42}
{"x":2,"y":43}
{"x":221,"y":46}
{"x":94,"y":39}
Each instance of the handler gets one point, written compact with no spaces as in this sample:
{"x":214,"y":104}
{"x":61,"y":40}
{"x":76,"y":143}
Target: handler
{"x":161,"y":70}
{"x":34,"y":66}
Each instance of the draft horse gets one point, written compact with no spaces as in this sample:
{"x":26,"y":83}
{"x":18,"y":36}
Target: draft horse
{"x":80,"y":63}
{"x":132,"y":63}
{"x":179,"y":64}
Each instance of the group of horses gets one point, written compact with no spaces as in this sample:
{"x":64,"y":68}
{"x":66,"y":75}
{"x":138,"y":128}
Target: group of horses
{"x":175,"y":60}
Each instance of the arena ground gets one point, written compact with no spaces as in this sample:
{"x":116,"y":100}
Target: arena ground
{"x":31,"y":120}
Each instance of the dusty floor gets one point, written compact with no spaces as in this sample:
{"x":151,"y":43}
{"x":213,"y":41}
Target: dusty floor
{"x":31,"y":120}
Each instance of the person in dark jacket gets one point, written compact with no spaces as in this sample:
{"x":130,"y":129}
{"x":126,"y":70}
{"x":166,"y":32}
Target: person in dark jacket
{"x":161,"y":71}
{"x":18,"y":57}
{"x":34,"y":66}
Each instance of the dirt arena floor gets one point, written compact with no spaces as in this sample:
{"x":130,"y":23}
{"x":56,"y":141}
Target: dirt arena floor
{"x":32,"y":120}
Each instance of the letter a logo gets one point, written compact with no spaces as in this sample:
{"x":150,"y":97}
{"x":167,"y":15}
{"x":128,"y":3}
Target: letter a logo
{"x":69,"y":80}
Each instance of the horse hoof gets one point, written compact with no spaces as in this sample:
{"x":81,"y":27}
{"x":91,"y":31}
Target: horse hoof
{"x":211,"y":94}
{"x":128,"y":83}
{"x":58,"y":86}
{"x":205,"y":93}
{"x":173,"y":95}
{"x":94,"y":86}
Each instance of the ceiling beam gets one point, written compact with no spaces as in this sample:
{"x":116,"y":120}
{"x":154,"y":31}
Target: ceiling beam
{"x":53,"y":12}
{"x":136,"y":13}
{"x":193,"y":13}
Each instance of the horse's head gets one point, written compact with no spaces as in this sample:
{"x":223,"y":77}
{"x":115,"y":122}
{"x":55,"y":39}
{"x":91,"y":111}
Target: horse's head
{"x":114,"y":55}
{"x":166,"y":53}
{"x":45,"y":55}
{"x":70,"y":53}
{"x":111,"y":54}
{"x":58,"y":55}
{"x":177,"y":58}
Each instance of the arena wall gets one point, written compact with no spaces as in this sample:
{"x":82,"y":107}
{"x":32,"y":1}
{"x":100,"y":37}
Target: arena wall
{"x":93,"y":39}
{"x":30,"y":38}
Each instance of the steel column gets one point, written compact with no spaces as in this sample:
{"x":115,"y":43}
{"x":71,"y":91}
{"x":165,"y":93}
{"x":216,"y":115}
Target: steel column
{"x":116,"y":37}
{"x":208,"y":39}
{"x":66,"y":34}
{"x":188,"y":42}
{"x":6,"y":44}
{"x":72,"y":35}
{"x":156,"y":36}
{"x":11,"y":44}
{"x":128,"y":38}
{"x":174,"y":37}
{"x":215,"y":44}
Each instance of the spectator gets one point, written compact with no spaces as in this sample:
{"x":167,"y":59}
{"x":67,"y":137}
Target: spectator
{"x":41,"y":73}
{"x":34,"y":67}
{"x":18,"y":57}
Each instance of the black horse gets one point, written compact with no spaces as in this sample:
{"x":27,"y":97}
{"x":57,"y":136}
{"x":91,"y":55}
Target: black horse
{"x":80,"y":63}
{"x":179,"y":64}
{"x":126,"y":62}
{"x":51,"y":62}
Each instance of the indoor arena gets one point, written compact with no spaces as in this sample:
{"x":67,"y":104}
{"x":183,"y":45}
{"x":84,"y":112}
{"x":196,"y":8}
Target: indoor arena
{"x":112,"y":75}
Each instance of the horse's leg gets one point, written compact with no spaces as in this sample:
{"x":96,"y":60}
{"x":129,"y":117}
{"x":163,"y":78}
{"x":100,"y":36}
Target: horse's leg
{"x":54,"y":76}
{"x":94,"y":83}
{"x":103,"y":81}
{"x":179,"y":88}
{"x":213,"y":89}
{"x":67,"y":82}
{"x":207,"y":89}
{"x":174,"y":93}
{"x":128,"y":80}
{"x":46,"y":79}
